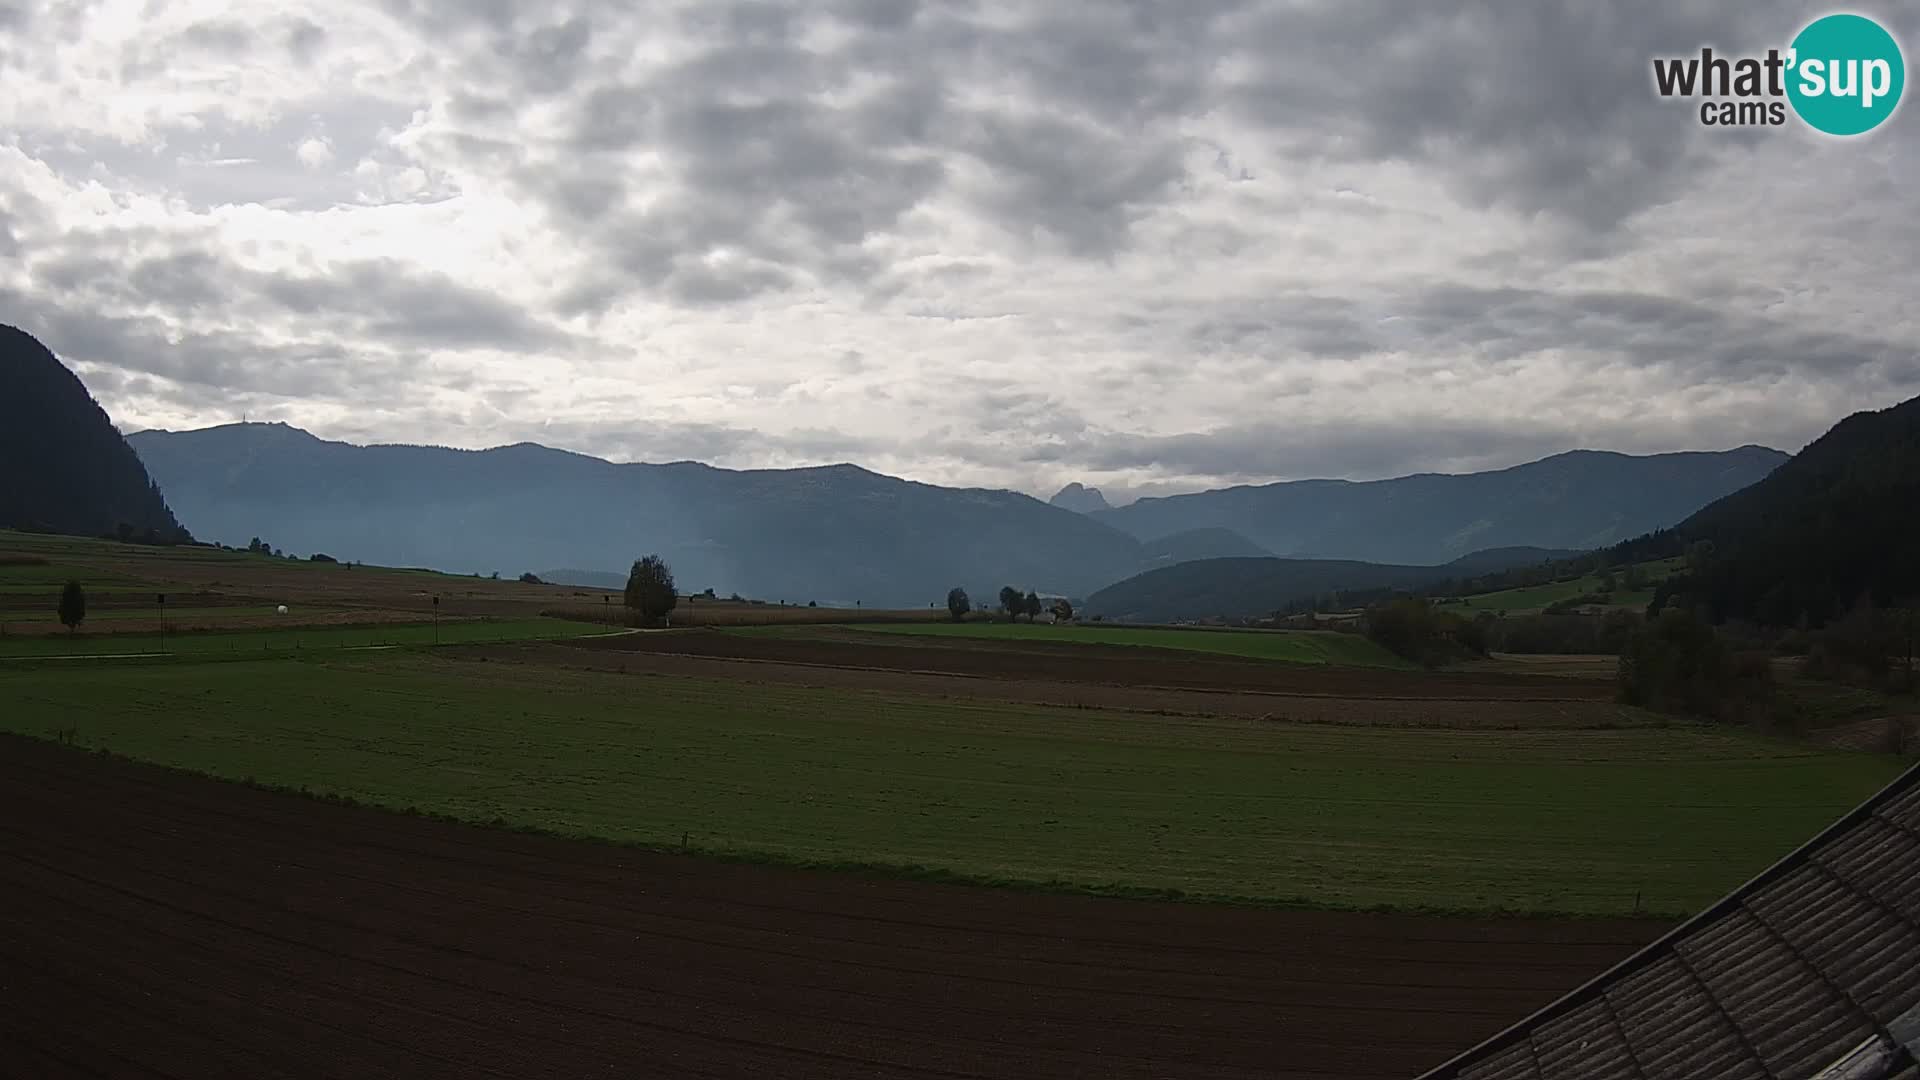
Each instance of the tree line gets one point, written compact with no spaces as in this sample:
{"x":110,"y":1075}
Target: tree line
{"x":1012,"y":604}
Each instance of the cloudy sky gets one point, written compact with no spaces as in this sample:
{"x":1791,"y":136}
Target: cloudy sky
{"x":1144,"y":244}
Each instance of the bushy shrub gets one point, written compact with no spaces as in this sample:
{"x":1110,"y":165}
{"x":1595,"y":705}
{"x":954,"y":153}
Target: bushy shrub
{"x":1413,"y":629}
{"x":1676,"y":663}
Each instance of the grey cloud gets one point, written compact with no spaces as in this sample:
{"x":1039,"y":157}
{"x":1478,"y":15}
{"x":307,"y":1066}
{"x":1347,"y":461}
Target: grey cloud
{"x":1711,"y":342}
{"x":397,"y":303}
{"x":16,"y":23}
{"x":585,"y":198}
{"x":1711,"y":339}
{"x":218,"y":161}
{"x":219,"y":36}
{"x":1124,"y":64}
{"x":374,"y":300}
{"x":1348,"y":447}
{"x":877,"y":14}
{"x":547,"y":58}
{"x":1082,"y":185}
{"x":770,"y":155}
{"x":613,"y":118}
{"x":1541,"y":106}
{"x":208,"y":367}
{"x":18,"y":214}
{"x":751,"y":21}
{"x":443,"y":17}
{"x":303,"y":39}
{"x":768,"y":179}
{"x":702,"y":285}
{"x":471,"y":107}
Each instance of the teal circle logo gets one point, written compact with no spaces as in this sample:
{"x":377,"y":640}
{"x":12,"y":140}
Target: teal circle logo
{"x":1845,"y":74}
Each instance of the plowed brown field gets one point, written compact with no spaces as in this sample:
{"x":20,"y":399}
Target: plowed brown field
{"x":155,"y":923}
{"x":1306,"y":706}
{"x":1118,"y":665}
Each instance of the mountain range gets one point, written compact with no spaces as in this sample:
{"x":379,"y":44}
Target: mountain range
{"x":841,"y":534}
{"x":1581,"y":499}
{"x":838,"y":534}
{"x":833,"y":534}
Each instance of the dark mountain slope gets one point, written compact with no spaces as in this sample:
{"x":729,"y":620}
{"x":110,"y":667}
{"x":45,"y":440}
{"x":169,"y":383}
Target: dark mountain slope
{"x":1579,"y":500}
{"x":1839,"y":521}
{"x":63,"y":466}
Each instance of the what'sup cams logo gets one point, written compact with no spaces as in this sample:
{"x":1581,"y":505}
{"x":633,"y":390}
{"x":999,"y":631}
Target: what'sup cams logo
{"x":1842,"y":75}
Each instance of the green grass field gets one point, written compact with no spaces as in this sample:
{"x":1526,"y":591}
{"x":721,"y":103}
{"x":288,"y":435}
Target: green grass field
{"x":296,"y":638}
{"x":1293,"y":646}
{"x":1576,"y":821}
{"x":1536,"y":597}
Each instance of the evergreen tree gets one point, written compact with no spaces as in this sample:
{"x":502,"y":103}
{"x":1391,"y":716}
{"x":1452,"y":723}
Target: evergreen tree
{"x":73,"y":606}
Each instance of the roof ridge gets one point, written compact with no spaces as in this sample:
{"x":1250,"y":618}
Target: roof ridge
{"x":1666,"y":944}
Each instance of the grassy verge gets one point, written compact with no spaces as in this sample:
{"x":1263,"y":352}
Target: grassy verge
{"x":1590,"y":822}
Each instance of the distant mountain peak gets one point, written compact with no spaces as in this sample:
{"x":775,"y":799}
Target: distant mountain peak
{"x":1080,"y":499}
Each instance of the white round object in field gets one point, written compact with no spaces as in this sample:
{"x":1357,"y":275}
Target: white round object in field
{"x":283,"y":609}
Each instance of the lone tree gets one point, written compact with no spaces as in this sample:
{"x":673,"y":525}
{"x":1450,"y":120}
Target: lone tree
{"x":1032,"y":604}
{"x":650,"y":591}
{"x":957,"y":604}
{"x":73,"y":605}
{"x":1063,"y":610}
{"x":1010,"y":601}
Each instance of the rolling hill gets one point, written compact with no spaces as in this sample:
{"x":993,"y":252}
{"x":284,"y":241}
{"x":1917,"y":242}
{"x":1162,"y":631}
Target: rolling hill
{"x":1243,"y":588}
{"x":63,"y":466}
{"x":1579,"y":500}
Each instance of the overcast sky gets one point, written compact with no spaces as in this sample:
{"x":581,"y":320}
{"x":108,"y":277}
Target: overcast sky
{"x":1151,"y":245}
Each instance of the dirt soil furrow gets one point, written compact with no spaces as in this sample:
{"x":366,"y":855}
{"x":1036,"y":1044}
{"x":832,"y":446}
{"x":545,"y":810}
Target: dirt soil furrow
{"x":158,"y":923}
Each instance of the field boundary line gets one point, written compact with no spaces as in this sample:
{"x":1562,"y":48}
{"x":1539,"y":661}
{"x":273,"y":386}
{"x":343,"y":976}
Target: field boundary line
{"x":1122,"y":686}
{"x":323,"y":649}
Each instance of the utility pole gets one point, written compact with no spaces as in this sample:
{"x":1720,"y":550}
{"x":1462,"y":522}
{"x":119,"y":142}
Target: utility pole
{"x":161,"y":600}
{"x":436,"y":620}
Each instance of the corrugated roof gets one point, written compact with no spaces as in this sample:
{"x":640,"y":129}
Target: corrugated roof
{"x":1811,"y":971}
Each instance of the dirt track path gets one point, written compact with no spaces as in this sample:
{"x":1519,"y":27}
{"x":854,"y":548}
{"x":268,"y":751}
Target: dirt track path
{"x":153,"y":923}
